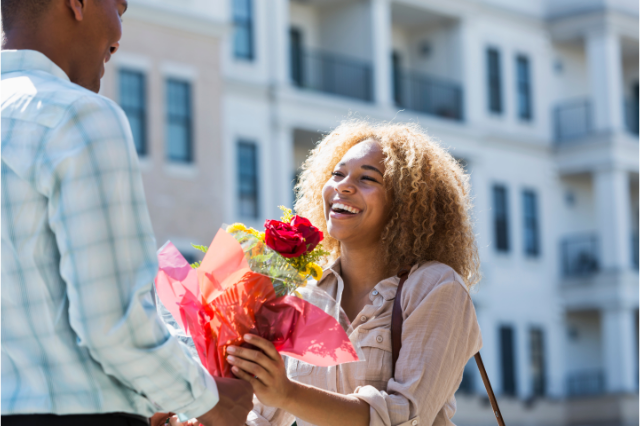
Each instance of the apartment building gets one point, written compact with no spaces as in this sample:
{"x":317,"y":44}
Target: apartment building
{"x":539,"y":100}
{"x":167,"y":78}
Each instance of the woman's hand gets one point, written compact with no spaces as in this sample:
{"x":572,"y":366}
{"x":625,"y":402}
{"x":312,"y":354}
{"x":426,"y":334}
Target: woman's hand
{"x":263,"y":369}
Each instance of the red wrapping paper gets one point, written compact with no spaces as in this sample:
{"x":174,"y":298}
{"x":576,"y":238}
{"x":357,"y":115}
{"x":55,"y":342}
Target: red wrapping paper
{"x":222,"y":300}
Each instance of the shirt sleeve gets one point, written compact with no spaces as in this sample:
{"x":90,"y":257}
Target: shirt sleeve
{"x":263,"y":415}
{"x":98,"y":213}
{"x":439,"y":335}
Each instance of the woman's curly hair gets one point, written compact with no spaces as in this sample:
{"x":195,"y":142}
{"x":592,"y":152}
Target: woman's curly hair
{"x":430,"y":217}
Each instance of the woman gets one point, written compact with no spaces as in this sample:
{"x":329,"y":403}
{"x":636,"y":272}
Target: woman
{"x":387,"y":196}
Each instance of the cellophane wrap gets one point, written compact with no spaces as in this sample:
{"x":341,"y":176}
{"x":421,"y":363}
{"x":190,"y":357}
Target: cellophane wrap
{"x":242,"y":287}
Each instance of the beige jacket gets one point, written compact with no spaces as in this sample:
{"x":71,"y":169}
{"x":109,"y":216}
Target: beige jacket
{"x":440,"y":334}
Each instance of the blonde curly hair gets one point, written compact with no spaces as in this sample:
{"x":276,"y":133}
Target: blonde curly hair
{"x":430,"y":217}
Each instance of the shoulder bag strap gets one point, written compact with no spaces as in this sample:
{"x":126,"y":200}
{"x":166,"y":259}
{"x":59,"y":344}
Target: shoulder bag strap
{"x":396,"y":344}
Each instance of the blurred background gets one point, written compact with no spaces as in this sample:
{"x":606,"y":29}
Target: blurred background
{"x":538,"y":99}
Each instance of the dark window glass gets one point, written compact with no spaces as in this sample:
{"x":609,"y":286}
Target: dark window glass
{"x":536,"y":338}
{"x":179,"y":137}
{"x":494,"y":84}
{"x":524,"y":87}
{"x":248,"y":179}
{"x":501,"y":217}
{"x":133,"y":103}
{"x":242,"y":29}
{"x":507,"y":352}
{"x":531,"y":231}
{"x":295,"y":35}
{"x":396,"y":77}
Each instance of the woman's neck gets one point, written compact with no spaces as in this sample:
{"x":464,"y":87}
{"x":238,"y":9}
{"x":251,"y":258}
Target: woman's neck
{"x":361,"y":269}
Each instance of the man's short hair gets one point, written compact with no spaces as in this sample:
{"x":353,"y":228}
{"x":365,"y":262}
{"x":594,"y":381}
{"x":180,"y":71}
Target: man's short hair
{"x":16,"y":10}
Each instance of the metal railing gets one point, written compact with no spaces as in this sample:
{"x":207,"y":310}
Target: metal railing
{"x":573,"y":119}
{"x":631,"y":115}
{"x":584,"y":383}
{"x":332,"y":73}
{"x":430,"y":95}
{"x":580,"y":255}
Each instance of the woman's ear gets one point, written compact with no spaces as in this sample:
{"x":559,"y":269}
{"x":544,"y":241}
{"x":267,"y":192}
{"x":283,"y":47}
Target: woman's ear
{"x":77,"y":8}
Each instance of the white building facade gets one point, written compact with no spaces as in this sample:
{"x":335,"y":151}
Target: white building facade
{"x":540,"y":101}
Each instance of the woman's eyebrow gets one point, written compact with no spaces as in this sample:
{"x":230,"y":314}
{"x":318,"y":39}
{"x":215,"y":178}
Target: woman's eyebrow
{"x":368,"y":167}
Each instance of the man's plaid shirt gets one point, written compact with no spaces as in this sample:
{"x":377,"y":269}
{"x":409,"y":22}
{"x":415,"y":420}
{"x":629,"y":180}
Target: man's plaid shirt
{"x":80,"y":333}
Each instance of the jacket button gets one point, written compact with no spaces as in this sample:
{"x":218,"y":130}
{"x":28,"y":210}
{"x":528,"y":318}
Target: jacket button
{"x":375,"y":292}
{"x":363,"y":318}
{"x":414,"y":423}
{"x":379,"y":339}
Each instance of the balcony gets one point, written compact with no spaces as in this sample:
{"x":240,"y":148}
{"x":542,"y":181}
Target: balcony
{"x":331,"y":73}
{"x":585,"y":383}
{"x":426,"y":94}
{"x":572,"y":120}
{"x":580,"y":256}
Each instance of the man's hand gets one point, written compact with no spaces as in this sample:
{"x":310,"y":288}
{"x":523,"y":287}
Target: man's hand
{"x":234,"y":405}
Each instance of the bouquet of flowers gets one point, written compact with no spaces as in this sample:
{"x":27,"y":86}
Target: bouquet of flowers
{"x":254,"y":281}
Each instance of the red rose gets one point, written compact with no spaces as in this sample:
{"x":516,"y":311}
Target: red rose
{"x":284,"y":239}
{"x":312,"y":235}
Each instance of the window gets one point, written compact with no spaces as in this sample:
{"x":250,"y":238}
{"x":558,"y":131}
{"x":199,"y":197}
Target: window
{"x":396,"y":67}
{"x":493,"y":74}
{"x":179,"y":143}
{"x":133,"y":103}
{"x":500,"y":217}
{"x":524,"y":87}
{"x":531,"y":232}
{"x":536,"y":340}
{"x":507,"y":361}
{"x":295,"y":35}
{"x":242,"y":29}
{"x":248,"y":179}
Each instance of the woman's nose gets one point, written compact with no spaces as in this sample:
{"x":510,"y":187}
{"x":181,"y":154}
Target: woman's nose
{"x":345,"y":186}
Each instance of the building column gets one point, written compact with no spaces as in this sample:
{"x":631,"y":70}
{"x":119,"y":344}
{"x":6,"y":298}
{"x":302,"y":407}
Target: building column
{"x":381,"y":42}
{"x":474,"y":84}
{"x":613,"y":210}
{"x":282,"y":160}
{"x":618,"y":344}
{"x":279,"y":67}
{"x":605,"y":79}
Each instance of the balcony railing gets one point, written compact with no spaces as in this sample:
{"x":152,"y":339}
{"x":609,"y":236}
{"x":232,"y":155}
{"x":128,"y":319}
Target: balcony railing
{"x":584,"y":383}
{"x":631,"y":115}
{"x":430,"y":95}
{"x":580,"y":255}
{"x":331,"y":73}
{"x":572,"y":120}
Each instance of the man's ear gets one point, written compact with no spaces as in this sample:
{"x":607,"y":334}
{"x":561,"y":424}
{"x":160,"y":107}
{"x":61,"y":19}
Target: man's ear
{"x":77,"y":8}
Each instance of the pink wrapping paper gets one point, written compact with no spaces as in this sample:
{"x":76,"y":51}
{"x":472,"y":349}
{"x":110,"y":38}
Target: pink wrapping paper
{"x":219,"y":302}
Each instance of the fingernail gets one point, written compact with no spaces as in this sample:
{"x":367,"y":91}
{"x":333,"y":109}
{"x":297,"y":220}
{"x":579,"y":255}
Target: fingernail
{"x":231,"y":358}
{"x":248,"y":337}
{"x":231,"y":349}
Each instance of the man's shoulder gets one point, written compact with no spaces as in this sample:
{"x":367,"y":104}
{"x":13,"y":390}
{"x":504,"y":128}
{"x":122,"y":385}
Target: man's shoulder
{"x":41,"y":98}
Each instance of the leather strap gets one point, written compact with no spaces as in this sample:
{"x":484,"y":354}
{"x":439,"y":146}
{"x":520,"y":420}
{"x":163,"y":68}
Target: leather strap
{"x":396,"y":344}
{"x":396,"y":321}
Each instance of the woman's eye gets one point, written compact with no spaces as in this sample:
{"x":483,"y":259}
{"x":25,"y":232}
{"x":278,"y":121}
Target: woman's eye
{"x":336,"y":174}
{"x":369,"y":178}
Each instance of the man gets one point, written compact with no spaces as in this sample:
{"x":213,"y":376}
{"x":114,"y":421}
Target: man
{"x":81,"y":341}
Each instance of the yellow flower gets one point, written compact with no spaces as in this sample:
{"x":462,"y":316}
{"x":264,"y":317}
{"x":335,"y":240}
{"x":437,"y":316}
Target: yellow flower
{"x":316,"y":270}
{"x":305,"y":272}
{"x":254,"y":232}
{"x":261,"y":236}
{"x":236,"y":227}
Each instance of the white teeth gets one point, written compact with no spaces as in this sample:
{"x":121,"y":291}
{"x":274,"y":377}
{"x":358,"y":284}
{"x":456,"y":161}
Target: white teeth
{"x":345,"y":207}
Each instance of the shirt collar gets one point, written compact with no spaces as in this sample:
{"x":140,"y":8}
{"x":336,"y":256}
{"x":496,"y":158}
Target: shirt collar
{"x":30,"y":60}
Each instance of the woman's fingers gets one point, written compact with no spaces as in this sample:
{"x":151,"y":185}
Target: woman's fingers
{"x":263,"y":344}
{"x":249,"y":367}
{"x":243,"y":375}
{"x":257,"y":357}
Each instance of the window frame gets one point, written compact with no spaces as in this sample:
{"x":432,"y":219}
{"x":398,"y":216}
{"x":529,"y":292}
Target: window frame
{"x":243,"y":23}
{"x":186,"y":119}
{"x":141,"y":146}
{"x":494,"y":81}
{"x":255,"y":176}
{"x":523,"y":88}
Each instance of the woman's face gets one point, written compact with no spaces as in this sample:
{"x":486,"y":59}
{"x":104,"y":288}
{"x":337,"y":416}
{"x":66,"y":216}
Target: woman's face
{"x":355,"y":201}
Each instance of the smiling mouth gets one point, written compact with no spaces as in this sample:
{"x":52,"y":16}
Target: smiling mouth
{"x":344,"y":209}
